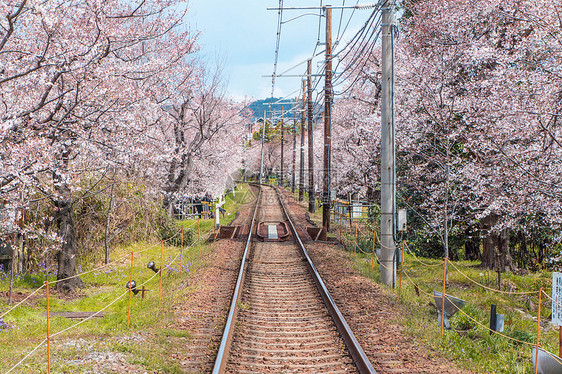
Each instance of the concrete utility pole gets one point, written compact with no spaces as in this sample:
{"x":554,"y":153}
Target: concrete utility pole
{"x":293,"y":175}
{"x":388,"y":174}
{"x":327,"y":122}
{"x":262,"y":139}
{"x":310,"y":138}
{"x":301,"y":174}
{"x":282,"y":144}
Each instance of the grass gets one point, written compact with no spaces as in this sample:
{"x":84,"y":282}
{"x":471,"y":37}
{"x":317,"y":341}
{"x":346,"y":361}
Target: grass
{"x":152,"y":334}
{"x":469,"y":342}
{"x":231,"y":205}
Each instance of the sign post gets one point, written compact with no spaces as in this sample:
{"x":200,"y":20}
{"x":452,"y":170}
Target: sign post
{"x":557,"y":305}
{"x":219,"y":204}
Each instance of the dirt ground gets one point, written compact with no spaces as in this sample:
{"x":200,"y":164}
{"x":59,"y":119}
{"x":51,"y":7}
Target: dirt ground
{"x":200,"y":313}
{"x":203,"y":313}
{"x":368,"y":308}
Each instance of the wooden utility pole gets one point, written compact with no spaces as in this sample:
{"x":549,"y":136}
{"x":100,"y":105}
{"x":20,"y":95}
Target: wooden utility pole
{"x":282,"y":144}
{"x":262,"y":140}
{"x":327,"y":122}
{"x":301,"y":173}
{"x":446,"y":215}
{"x":293,"y":175}
{"x":388,"y":186}
{"x":310,"y":139}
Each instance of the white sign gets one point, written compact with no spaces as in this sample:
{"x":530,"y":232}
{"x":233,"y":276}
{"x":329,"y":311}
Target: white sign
{"x":357,"y":211}
{"x":557,"y":299}
{"x":402,"y":219}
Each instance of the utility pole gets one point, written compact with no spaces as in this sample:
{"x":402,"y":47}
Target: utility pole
{"x":246,"y":139}
{"x":446,"y":210}
{"x":388,"y":173}
{"x":293,"y":177}
{"x":301,"y":174}
{"x":327,"y":122}
{"x":282,"y":144}
{"x":262,"y":139}
{"x":310,"y":139}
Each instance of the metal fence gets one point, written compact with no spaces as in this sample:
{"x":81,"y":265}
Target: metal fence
{"x":193,"y":209}
{"x":345,"y":212}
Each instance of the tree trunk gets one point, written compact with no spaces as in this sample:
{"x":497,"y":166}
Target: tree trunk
{"x":67,"y":256}
{"x":21,"y":256}
{"x":17,"y":254}
{"x":178,"y":184}
{"x":488,"y":244}
{"x":541,"y":255}
{"x":446,"y":214}
{"x":108,"y":221}
{"x":496,"y":246}
{"x":523,"y":255}
{"x":506,"y":261}
{"x":472,"y":246}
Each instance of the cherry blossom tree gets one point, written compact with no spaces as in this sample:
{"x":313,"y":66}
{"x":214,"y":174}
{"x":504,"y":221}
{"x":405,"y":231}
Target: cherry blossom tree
{"x":203,"y":132}
{"x":356,"y":129}
{"x":77,"y":87}
{"x":478,"y":101}
{"x":477,"y":74}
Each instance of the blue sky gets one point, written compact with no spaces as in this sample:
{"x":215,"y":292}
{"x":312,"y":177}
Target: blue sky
{"x":243,"y":34}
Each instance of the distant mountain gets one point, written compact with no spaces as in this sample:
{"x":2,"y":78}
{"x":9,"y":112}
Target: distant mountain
{"x":258,"y":107}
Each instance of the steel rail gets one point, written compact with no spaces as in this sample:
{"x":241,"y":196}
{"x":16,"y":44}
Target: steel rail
{"x":359,"y":357}
{"x":222,"y":355}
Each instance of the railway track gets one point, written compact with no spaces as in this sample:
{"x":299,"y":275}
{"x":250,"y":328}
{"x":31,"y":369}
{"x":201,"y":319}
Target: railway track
{"x":282,"y":319}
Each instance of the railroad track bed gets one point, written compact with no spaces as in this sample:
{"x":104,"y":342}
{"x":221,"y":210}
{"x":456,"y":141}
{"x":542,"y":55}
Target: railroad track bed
{"x":204,"y":313}
{"x":282,"y":324}
{"x":370,"y":310}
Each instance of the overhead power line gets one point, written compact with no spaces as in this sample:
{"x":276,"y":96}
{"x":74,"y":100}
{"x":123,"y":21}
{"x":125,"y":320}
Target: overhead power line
{"x":277,"y":44}
{"x":357,"y":6}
